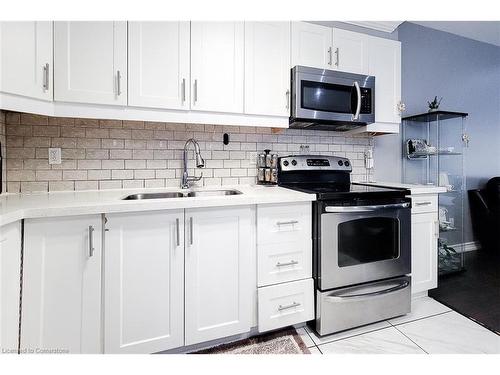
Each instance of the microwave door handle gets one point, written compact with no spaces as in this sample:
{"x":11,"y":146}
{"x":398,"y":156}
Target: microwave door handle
{"x":340,"y":209}
{"x":358,"y":105}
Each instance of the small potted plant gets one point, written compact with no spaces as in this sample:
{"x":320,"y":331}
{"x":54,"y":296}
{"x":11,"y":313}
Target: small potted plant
{"x":434,"y":105}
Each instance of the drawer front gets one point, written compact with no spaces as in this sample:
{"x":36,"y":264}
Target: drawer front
{"x":285,"y":304}
{"x":424,"y":203}
{"x":280,"y":223}
{"x":279,"y":263}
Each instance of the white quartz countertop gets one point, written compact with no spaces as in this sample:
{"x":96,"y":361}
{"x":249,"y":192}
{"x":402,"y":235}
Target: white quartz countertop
{"x":415,"y":189}
{"x":14,"y":207}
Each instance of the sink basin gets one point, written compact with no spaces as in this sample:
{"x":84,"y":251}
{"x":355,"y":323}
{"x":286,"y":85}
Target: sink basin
{"x":153,"y":196}
{"x":212,"y":193}
{"x":178,"y":194}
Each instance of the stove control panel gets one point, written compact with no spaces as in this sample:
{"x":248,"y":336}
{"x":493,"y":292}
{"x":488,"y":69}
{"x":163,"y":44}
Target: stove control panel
{"x":314,"y":162}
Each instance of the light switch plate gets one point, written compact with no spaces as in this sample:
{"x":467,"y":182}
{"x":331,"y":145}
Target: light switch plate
{"x":54,"y":156}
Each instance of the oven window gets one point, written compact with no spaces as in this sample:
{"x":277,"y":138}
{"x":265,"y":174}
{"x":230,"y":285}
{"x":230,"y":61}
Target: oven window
{"x":327,"y":97}
{"x":368,"y":240}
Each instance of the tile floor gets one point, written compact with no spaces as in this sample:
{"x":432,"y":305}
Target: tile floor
{"x":430,"y":328}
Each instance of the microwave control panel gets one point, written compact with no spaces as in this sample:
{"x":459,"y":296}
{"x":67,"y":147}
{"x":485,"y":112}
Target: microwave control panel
{"x":366,"y":100}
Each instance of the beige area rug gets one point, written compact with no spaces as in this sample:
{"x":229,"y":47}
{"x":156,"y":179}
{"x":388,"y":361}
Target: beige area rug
{"x":282,"y":342}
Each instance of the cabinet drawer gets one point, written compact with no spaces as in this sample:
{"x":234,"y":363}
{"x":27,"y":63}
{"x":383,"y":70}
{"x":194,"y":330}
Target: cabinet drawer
{"x":280,"y":223}
{"x":285,"y":304}
{"x":424,"y":203}
{"x":278,"y":263}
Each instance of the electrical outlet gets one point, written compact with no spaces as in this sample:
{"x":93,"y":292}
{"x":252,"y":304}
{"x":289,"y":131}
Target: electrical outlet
{"x":54,"y":156}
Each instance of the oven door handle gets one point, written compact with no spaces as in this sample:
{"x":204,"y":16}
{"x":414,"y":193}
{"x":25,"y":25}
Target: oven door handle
{"x":337,"y":298}
{"x":341,"y":209}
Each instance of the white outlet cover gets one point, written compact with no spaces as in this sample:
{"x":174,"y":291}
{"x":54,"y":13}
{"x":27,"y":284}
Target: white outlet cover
{"x":54,"y":156}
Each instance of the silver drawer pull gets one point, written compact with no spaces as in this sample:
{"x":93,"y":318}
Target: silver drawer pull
{"x":91,"y":241}
{"x":291,"y":222}
{"x":291,"y":263}
{"x":423,"y":203}
{"x":291,"y":306}
{"x":46,"y":77}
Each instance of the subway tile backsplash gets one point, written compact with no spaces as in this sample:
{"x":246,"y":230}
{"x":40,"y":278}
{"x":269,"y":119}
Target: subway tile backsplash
{"x":114,"y":154}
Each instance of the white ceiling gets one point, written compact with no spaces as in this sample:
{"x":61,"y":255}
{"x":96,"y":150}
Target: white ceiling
{"x":484,"y":31}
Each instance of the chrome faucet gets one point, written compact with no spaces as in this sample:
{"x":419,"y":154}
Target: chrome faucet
{"x":200,"y":163}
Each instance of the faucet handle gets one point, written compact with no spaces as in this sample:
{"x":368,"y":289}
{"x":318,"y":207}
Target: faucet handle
{"x":193,"y":178}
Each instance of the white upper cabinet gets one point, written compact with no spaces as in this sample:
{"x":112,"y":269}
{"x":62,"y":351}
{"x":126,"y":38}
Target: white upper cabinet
{"x":267,"y":68}
{"x":311,"y":45}
{"x":221,"y":282}
{"x":90,"y":61}
{"x":10,"y":275}
{"x":217,"y":61}
{"x":61,"y":294}
{"x":384,"y":62}
{"x":349,"y":52}
{"x":26,"y":58}
{"x":158,"y":64}
{"x":144,"y":282}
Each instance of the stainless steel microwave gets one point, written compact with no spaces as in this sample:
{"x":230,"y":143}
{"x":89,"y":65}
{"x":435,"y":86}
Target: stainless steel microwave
{"x":331,"y":100}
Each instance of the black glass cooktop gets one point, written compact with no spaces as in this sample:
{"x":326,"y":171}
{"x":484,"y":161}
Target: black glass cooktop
{"x":330,"y":191}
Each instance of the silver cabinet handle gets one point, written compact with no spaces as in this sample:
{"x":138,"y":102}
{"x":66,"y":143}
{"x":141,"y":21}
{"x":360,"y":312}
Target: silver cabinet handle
{"x":286,"y":307}
{"x":291,"y":263}
{"x":183,"y":90}
{"x":46,"y":77}
{"x":358,"y":105}
{"x":91,"y":241}
{"x":118,"y":83}
{"x":195,"y":89}
{"x":177,"y":232}
{"x":287,"y":96}
{"x":191,"y":233}
{"x":436,"y":234}
{"x":365,"y":208}
{"x":291,"y":222}
{"x":337,"y":57}
{"x":330,"y":59}
{"x":423,"y":203}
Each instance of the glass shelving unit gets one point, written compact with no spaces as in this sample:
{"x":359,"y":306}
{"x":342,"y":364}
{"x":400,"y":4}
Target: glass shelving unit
{"x":434,"y":146}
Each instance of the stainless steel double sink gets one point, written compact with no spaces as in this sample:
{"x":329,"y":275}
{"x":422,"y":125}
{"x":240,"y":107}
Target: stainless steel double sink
{"x":182,"y":194}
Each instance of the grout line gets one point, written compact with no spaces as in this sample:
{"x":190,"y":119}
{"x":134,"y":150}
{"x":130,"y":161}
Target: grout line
{"x":417,"y":319}
{"x":319,"y":349}
{"x":348,"y":337}
{"x":396,"y":328}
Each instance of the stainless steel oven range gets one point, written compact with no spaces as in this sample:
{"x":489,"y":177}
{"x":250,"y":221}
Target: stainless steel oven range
{"x":361,"y":243}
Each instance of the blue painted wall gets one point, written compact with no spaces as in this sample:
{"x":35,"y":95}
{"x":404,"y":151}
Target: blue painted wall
{"x":466,"y":73}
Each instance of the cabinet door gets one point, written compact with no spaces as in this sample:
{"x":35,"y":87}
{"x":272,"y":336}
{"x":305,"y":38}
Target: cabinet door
{"x":91,"y":62}
{"x":26,"y":58}
{"x":311,"y":45}
{"x":384,"y":62}
{"x":267,"y":68}
{"x":424,"y":237}
{"x":61,"y":305}
{"x":349,"y":52}
{"x":144,"y":282}
{"x":158,"y":64}
{"x":217,"y":50}
{"x":10,"y":275}
{"x":220,"y":271}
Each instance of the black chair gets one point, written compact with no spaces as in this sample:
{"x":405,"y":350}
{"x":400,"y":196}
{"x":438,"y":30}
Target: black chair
{"x":485,"y":214}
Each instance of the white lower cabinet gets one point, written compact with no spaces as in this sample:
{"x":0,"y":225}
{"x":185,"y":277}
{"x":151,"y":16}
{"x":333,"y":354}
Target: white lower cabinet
{"x":144,"y":281}
{"x":285,"y":304}
{"x":61,"y":295}
{"x":10,"y":268}
{"x":424,"y":252}
{"x":220,"y":272}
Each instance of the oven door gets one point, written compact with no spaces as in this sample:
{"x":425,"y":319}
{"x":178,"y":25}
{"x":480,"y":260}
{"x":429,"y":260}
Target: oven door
{"x":333,"y":96}
{"x":364,"y":243}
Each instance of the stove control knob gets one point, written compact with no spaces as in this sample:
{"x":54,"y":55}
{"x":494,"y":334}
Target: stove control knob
{"x":346,"y":163}
{"x":340,"y":162}
{"x":285,"y":163}
{"x":294,"y":162}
